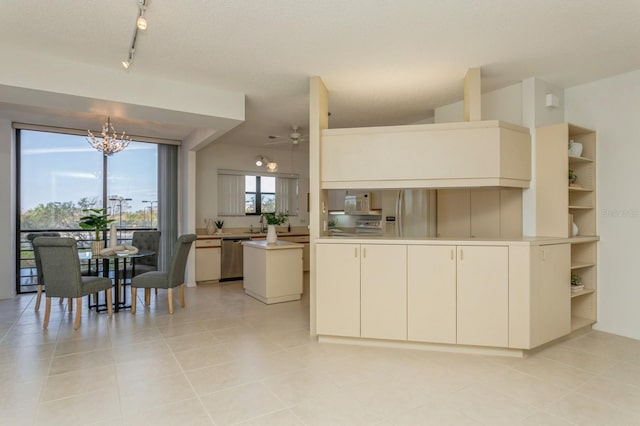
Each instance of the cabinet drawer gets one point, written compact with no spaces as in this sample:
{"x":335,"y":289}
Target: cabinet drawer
{"x":209,"y":242}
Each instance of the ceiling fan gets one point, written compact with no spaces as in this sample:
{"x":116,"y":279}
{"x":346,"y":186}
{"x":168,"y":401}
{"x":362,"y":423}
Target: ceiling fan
{"x":295,"y":137}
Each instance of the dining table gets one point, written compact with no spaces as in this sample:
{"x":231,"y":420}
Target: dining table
{"x":107,"y":260}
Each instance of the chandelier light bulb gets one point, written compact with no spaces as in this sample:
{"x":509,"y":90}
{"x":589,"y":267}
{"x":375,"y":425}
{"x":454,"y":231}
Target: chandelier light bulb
{"x":259,"y":161}
{"x":126,"y":64}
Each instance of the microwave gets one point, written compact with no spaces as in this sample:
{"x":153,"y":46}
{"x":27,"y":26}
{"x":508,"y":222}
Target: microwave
{"x":357,"y":204}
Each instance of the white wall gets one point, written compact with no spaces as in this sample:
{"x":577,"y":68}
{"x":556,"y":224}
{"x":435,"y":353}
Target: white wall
{"x":502,"y":104}
{"x":223,"y":156}
{"x":610,"y":107}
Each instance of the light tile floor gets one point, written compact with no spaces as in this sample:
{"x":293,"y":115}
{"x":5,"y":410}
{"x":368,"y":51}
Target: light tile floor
{"x":228,"y":359}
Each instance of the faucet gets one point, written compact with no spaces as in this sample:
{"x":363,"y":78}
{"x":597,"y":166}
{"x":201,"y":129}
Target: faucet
{"x":261,"y":223}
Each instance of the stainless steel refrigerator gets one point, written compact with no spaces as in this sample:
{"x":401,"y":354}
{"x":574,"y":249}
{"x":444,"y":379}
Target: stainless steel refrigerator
{"x":414,"y":212}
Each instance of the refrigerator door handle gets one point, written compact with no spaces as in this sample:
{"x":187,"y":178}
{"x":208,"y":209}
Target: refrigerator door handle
{"x":399,"y":212}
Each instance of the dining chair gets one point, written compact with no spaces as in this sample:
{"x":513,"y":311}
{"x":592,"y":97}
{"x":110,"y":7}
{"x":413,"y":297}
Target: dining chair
{"x":30,"y":238}
{"x":61,"y":272}
{"x":169,"y":280}
{"x":143,"y":241}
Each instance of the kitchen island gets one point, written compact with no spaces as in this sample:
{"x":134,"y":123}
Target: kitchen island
{"x":273,"y":272}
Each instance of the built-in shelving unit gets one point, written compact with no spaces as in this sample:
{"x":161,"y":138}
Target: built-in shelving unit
{"x":559,"y":204}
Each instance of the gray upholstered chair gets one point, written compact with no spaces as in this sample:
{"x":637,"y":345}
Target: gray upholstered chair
{"x":144,"y":241}
{"x":168,"y":280}
{"x":61,"y":272}
{"x":31,"y":237}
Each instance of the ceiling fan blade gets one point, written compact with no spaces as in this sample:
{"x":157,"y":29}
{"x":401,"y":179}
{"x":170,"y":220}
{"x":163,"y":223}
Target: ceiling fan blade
{"x":276,"y":142}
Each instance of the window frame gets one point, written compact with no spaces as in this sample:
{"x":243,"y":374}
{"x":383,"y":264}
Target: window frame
{"x":258,"y":195}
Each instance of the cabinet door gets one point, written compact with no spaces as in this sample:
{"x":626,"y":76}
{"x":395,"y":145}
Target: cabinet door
{"x":550,"y":293}
{"x":454,"y":213}
{"x":483,"y":296}
{"x":336,"y":199}
{"x":338,"y":289}
{"x":485,"y":213}
{"x":207,"y":263}
{"x":384,"y":291}
{"x":431,"y":293}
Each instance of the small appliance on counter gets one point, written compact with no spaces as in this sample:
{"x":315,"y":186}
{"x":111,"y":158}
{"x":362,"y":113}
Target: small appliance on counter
{"x":357,"y":204}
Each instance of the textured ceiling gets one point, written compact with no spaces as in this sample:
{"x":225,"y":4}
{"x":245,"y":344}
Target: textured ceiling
{"x":384,"y":62}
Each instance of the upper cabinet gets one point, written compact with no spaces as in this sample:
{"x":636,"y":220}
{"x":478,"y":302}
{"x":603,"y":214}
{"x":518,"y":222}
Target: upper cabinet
{"x":451,"y":155}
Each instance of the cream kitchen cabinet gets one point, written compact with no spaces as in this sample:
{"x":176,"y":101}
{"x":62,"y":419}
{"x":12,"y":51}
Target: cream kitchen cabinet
{"x":479,"y":213}
{"x":458,"y":294}
{"x":361,"y":290}
{"x":443,"y":155}
{"x":383,"y":291}
{"x":431,"y":293}
{"x":482,"y":295}
{"x":208,"y":259}
{"x":338,"y":289}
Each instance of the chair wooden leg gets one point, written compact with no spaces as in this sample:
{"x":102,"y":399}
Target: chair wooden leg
{"x":147,"y":296}
{"x":170,"y":293}
{"x":182,"y":295}
{"x":47,"y":312}
{"x":109,"y":303}
{"x":134,"y":299}
{"x":76,"y":324}
{"x":70,"y":305}
{"x":38,"y":296}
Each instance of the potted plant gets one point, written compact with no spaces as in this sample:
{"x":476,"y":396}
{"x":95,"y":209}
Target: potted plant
{"x":96,"y":220}
{"x":219,"y":223}
{"x":576,"y":282}
{"x":274,"y":219}
{"x":572,"y":177}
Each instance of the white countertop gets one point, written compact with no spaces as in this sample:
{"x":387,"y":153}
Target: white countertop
{"x":278,"y":245}
{"x":540,"y":240}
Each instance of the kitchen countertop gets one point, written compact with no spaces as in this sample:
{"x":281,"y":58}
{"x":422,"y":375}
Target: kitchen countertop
{"x":278,"y":245}
{"x":233,"y":234}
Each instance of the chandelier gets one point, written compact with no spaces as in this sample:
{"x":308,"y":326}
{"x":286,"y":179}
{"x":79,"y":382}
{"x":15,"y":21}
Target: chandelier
{"x":109,"y":142}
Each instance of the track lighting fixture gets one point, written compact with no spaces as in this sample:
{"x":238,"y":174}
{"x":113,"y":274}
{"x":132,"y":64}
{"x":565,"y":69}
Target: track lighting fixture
{"x":272,"y":166}
{"x":141,"y":24}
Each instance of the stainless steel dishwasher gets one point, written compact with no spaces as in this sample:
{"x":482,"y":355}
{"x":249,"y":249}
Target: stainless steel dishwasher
{"x":231,"y":258}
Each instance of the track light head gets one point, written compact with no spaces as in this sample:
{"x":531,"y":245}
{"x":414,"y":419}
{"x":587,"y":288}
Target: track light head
{"x":142,"y":23}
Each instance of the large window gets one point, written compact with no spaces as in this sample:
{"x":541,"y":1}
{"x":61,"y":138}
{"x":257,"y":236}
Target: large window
{"x":241,"y":193}
{"x":60,"y":175}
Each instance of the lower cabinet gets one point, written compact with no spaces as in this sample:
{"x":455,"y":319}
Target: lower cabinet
{"x":512,"y":296}
{"x":208,"y":260}
{"x":361,"y":290}
{"x":338,"y":289}
{"x":431,"y":293}
{"x":383,"y":291}
{"x":483,"y":295}
{"x":458,"y":294}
